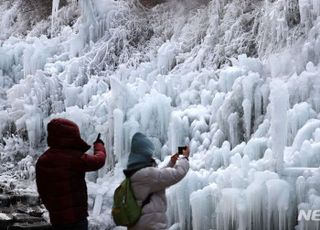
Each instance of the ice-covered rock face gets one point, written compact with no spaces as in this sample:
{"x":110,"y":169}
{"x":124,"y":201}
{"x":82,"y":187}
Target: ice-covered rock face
{"x":238,"y":81}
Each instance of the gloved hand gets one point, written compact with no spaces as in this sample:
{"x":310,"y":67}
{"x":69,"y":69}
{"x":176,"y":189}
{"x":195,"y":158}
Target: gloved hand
{"x":186,"y":152}
{"x":174,"y":158}
{"x":98,"y":140}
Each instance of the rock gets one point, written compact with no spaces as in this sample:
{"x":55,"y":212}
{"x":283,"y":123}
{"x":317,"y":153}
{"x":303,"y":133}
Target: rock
{"x":30,"y":226}
{"x":39,"y":9}
{"x":32,"y":211}
{"x":29,"y":198}
{"x":5,"y":200}
{"x":5,"y":217}
{"x":37,"y":212}
{"x":5,"y":220}
{"x":6,"y":187}
{"x":150,"y":3}
{"x":22,"y":217}
{"x":21,"y":209}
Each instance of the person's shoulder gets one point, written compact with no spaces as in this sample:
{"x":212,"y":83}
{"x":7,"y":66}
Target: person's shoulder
{"x":43,"y":159}
{"x":53,"y":154}
{"x":44,"y":155}
{"x":145,"y":173}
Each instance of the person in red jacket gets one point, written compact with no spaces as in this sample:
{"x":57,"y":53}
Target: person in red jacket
{"x":60,"y":174}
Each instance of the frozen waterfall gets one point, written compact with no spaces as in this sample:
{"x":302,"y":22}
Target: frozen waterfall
{"x":238,"y":81}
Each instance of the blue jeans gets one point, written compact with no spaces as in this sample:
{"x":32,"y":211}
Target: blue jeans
{"x":81,"y":225}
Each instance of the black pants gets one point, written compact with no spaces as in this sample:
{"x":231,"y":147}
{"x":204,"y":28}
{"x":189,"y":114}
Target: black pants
{"x":81,"y":225}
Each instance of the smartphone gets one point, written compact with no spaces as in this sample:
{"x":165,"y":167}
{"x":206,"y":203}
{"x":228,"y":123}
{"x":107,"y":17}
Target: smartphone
{"x":181,"y":148}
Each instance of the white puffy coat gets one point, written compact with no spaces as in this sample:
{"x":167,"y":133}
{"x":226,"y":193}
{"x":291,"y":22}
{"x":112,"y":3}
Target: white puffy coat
{"x":156,"y":180}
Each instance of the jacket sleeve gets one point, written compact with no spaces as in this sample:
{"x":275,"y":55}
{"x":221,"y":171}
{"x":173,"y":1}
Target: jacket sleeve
{"x":165,"y":177}
{"x":93,"y":162}
{"x":168,"y":165}
{"x":39,"y":182}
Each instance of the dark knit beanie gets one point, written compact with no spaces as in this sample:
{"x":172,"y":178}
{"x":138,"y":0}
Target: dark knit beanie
{"x":142,"y":150}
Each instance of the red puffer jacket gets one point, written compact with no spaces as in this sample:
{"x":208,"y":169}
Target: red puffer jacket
{"x":60,"y":172}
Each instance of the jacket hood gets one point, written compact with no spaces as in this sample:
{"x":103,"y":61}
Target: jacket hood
{"x":141,"y":153}
{"x":63,"y":133}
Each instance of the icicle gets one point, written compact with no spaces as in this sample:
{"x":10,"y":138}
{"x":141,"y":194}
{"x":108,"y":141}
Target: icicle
{"x":248,"y":84}
{"x":278,"y":200}
{"x":202,"y":204}
{"x":305,"y":133}
{"x":257,"y":107}
{"x":292,"y":12}
{"x":301,"y":189}
{"x":87,"y":9}
{"x":118,"y":136}
{"x":316,"y":8}
{"x":279,"y":98}
{"x":227,"y":213}
{"x":166,"y":57}
{"x":176,"y":133}
{"x":305,"y":12}
{"x":233,"y":121}
{"x":247,"y":107}
{"x":98,"y":203}
{"x":255,"y":148}
{"x":54,"y":14}
{"x":228,"y":77}
{"x":298,"y":117}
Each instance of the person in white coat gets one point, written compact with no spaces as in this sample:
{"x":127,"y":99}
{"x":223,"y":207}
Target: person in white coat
{"x":149,"y":182}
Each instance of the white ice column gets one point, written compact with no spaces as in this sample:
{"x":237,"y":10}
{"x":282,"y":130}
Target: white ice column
{"x":54,"y":14}
{"x":176,"y":132}
{"x":118,"y":135}
{"x":279,"y":98}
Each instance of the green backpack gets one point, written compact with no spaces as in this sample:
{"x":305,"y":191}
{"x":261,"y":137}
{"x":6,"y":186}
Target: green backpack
{"x":125,"y":210}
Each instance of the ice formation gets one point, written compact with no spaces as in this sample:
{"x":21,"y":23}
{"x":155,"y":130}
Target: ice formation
{"x":238,"y":81}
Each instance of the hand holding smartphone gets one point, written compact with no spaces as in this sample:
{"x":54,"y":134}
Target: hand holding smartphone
{"x":180,"y":149}
{"x":184,"y":151}
{"x":98,"y":140}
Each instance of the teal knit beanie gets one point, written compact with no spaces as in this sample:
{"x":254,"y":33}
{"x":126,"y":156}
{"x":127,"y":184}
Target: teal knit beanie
{"x":141,"y":153}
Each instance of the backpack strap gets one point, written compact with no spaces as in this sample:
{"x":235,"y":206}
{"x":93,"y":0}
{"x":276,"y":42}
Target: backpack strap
{"x":147,"y":200}
{"x":128,"y":174}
